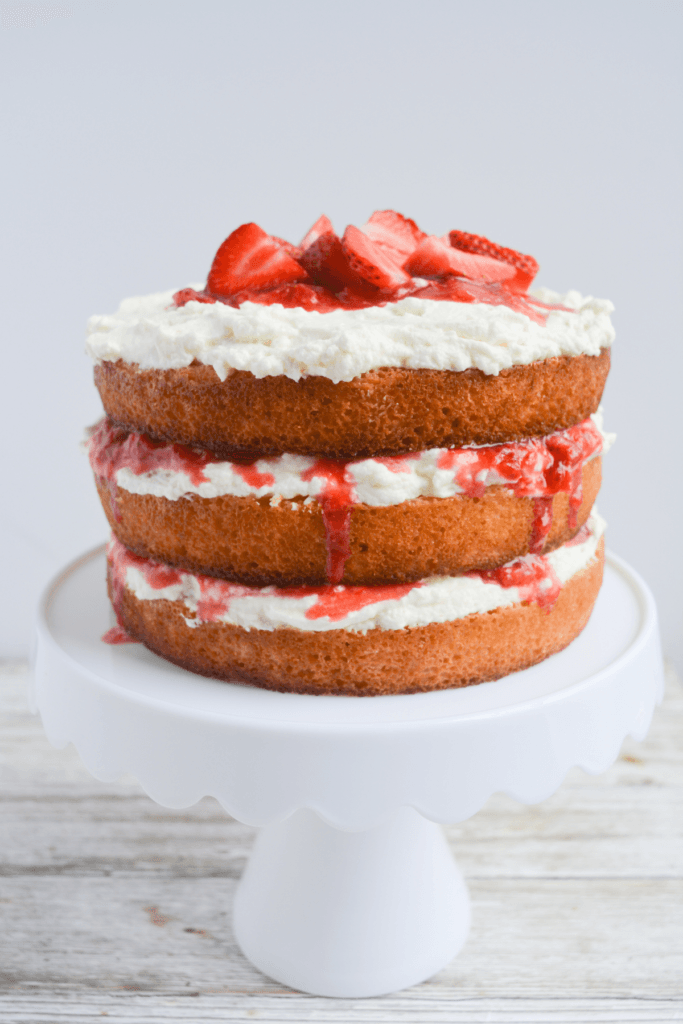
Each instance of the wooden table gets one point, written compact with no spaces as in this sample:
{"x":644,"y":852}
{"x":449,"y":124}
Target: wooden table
{"x":112,"y":907}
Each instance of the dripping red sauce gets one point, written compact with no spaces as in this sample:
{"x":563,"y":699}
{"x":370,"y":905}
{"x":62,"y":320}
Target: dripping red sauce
{"x":117,"y":635}
{"x":335,"y":602}
{"x":538,"y":468}
{"x":533,"y":575}
{"x":336,"y":500}
{"x":111,"y":448}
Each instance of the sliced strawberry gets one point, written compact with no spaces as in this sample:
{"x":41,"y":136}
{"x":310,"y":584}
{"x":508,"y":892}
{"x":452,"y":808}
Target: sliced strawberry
{"x":395,"y":234}
{"x":293,"y":250}
{"x":323,"y":226}
{"x":249,"y":258}
{"x":371,"y":262}
{"x":526,"y":266}
{"x":307,"y":296}
{"x":190,"y":295}
{"x":434,"y":258}
{"x":328,"y":265}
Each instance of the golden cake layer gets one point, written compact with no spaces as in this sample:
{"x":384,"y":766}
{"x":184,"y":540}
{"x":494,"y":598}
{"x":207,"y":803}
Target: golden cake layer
{"x":250,"y":540}
{"x":385,"y":411}
{"x":440,"y":655}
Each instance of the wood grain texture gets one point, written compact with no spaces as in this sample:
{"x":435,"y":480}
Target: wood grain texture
{"x":114,"y":908}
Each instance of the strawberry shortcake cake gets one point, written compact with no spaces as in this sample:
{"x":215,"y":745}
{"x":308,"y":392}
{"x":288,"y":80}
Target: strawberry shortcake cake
{"x":361,"y":465}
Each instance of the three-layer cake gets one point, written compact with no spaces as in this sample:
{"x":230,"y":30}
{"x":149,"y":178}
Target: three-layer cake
{"x":361,"y":465}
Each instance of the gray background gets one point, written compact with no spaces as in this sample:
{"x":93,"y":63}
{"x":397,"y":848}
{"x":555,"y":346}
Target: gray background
{"x":136,"y":136}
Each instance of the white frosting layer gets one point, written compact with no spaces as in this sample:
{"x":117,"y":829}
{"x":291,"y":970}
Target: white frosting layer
{"x":438,"y":599}
{"x":375,"y":481}
{"x":413,"y":333}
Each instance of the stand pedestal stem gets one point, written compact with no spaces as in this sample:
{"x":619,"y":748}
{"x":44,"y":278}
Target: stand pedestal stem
{"x":351,"y":914}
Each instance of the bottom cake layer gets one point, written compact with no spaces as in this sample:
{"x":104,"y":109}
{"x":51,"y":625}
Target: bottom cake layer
{"x":363,"y":641}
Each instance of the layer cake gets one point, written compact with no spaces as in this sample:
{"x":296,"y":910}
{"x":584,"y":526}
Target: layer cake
{"x":360,"y":465}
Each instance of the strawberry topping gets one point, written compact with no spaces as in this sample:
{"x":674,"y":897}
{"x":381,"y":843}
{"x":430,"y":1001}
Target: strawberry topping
{"x":328,"y":265}
{"x":368,"y":266}
{"x":322,"y":226}
{"x":398,"y":236}
{"x":434,"y":258}
{"x":249,"y":258}
{"x":526,"y":266}
{"x":371,"y":262}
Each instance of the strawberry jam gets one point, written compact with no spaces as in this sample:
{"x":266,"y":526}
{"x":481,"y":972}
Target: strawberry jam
{"x":336,"y":500}
{"x":117,"y":635}
{"x":538,"y":468}
{"x":534,"y":577}
{"x":216,"y":596}
{"x":111,"y":448}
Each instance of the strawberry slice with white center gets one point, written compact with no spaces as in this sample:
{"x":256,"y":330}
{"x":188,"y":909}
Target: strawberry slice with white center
{"x":526,"y":267}
{"x":395,"y":234}
{"x":434,"y":258}
{"x":251,"y":259}
{"x":323,"y":226}
{"x":371,"y":262}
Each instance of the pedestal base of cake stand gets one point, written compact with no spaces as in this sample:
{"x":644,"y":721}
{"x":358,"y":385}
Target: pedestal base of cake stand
{"x":351,"y":890}
{"x":351,"y":913}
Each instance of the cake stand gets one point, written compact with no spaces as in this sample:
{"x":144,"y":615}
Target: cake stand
{"x":350,"y":890}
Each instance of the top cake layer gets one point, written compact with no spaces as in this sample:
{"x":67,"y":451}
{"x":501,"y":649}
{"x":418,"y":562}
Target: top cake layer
{"x":412,"y":333}
{"x":382,"y":341}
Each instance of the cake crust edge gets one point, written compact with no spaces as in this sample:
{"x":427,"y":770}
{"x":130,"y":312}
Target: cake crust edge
{"x":383,"y":412}
{"x":475,"y":649}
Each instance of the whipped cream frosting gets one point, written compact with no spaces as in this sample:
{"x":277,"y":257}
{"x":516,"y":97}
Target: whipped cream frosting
{"x":379,"y":481}
{"x":413,"y":333}
{"x":437,"y":599}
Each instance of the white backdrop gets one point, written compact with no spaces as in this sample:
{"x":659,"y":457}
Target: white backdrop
{"x":136,"y":136}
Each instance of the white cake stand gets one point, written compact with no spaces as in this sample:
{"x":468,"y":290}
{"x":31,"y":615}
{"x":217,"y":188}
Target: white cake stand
{"x":350,"y":890}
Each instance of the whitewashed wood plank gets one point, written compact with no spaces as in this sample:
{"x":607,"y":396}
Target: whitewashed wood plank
{"x":554,"y":938}
{"x":618,"y":935}
{"x":412,"y":1007}
{"x":618,"y":831}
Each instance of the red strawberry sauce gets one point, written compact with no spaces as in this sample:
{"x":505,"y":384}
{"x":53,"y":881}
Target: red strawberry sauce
{"x":111,"y":448}
{"x":336,"y":501}
{"x":117,"y":635}
{"x":533,"y":575}
{"x":335,"y":602}
{"x":537,"y":468}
